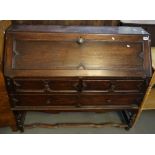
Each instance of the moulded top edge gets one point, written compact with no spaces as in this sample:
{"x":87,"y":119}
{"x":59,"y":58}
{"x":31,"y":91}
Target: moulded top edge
{"x":79,"y":29}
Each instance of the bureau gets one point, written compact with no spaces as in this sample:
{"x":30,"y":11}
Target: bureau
{"x":77,"y":68}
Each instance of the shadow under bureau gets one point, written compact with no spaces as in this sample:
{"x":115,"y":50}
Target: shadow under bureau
{"x":77,"y":68}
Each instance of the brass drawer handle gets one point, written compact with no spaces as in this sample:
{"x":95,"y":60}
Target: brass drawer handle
{"x":80,"y":40}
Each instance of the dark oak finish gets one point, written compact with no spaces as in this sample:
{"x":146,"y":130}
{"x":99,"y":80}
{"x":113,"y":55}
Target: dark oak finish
{"x":23,"y":85}
{"x":77,"y":100}
{"x":75,"y":68}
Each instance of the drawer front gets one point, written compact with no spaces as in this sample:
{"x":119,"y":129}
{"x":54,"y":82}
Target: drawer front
{"x":44,"y":85}
{"x":77,"y":85}
{"x":98,"y":99}
{"x":129,"y":85}
{"x":43,"y":100}
{"x":114,"y":85}
{"x":26,"y":85}
{"x":96,"y":85}
{"x":77,"y":100}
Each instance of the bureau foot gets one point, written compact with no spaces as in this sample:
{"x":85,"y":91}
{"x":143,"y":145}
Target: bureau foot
{"x":129,"y":118}
{"x":20,"y":117}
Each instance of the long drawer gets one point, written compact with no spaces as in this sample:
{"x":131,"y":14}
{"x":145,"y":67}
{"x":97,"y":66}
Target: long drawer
{"x":76,"y":85}
{"x":75,"y":99}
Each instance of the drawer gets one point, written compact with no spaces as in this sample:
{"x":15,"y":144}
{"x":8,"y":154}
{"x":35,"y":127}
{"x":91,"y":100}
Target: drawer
{"x":44,"y":85}
{"x":28,"y":85}
{"x":115,"y":99}
{"x":129,"y":85}
{"x":77,"y":85}
{"x":114,"y":85}
{"x":43,"y":100}
{"x":96,"y":85}
{"x":75,"y":99}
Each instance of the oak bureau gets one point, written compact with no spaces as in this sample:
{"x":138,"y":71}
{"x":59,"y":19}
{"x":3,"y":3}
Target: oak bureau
{"x":77,"y":68}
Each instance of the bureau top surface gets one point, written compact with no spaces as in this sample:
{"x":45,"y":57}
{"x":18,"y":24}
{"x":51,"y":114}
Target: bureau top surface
{"x":79,"y":29}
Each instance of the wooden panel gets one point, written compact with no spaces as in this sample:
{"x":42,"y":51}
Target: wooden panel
{"x":69,"y":22}
{"x":150,"y":101}
{"x":6,"y":116}
{"x":130,"y":85}
{"x":44,"y":100}
{"x":115,"y":85}
{"x":44,"y":85}
{"x":70,"y":55}
{"x":3,"y":26}
{"x":75,"y":84}
{"x":93,"y":108}
{"x":153,"y":57}
{"x":116,"y":99}
{"x":26,"y":85}
{"x":59,"y":54}
{"x":96,"y":85}
{"x":75,"y":99}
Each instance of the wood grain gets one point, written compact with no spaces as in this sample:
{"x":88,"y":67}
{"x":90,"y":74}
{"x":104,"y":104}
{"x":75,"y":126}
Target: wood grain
{"x":6,"y":116}
{"x":149,"y":102}
{"x":68,"y":22}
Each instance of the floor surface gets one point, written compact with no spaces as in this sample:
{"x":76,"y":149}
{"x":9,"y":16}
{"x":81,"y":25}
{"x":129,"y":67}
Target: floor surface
{"x":145,"y":125}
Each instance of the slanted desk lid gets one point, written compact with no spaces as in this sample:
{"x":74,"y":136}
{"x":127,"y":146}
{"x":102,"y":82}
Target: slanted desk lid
{"x":77,"y":51}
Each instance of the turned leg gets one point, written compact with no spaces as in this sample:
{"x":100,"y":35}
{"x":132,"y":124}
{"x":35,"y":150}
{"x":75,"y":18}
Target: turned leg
{"x":129,"y":117}
{"x":20,"y":117}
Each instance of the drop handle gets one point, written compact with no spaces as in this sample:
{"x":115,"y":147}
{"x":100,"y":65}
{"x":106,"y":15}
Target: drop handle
{"x":80,"y":40}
